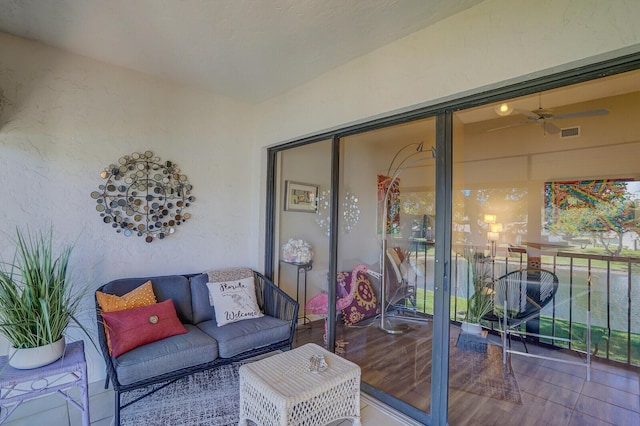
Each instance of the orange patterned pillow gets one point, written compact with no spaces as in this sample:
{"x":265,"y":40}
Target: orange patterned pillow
{"x":140,"y":296}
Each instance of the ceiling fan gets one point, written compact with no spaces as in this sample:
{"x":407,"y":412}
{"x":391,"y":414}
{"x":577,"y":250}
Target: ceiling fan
{"x":544,"y":117}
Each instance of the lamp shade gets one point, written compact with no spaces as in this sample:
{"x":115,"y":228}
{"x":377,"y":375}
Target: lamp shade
{"x":490,"y":218}
{"x":493,"y":236}
{"x":496,"y":227}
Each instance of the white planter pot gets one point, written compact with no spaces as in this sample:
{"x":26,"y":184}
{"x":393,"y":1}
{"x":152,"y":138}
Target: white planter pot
{"x":471,"y":328}
{"x":24,"y":359}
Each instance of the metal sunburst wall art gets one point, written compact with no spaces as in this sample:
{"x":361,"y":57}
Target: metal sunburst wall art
{"x":143,"y":196}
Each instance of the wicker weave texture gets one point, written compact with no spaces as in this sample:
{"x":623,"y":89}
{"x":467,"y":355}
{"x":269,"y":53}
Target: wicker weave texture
{"x":280,"y":390}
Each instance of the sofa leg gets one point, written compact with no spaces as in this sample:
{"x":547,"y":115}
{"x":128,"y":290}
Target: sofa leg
{"x":116,"y":414}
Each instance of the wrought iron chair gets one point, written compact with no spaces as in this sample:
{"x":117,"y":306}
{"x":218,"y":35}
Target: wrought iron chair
{"x":401,"y":294}
{"x":519,"y":296}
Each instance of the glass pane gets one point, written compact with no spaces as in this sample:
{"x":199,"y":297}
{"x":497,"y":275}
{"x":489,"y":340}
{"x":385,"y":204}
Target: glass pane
{"x":545,"y":238}
{"x":302,"y":244}
{"x":386,"y":224}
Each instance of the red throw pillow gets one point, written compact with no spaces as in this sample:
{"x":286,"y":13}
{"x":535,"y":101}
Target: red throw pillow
{"x":140,"y":296}
{"x":135,"y":327}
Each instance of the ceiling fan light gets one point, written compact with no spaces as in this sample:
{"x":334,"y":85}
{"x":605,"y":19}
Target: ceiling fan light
{"x":503,"y":109}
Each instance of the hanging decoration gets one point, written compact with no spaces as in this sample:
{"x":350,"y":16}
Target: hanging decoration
{"x":144,"y":196}
{"x":350,"y":212}
{"x":323,"y":215}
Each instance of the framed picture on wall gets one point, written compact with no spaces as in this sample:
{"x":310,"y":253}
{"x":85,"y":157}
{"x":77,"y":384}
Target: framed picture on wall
{"x":300,"y":197}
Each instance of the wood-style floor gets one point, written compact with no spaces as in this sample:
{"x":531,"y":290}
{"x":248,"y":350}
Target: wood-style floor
{"x":552,"y":393}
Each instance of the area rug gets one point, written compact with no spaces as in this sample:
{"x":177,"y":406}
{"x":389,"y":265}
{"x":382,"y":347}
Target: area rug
{"x":210,"y":397}
{"x":483,"y":373}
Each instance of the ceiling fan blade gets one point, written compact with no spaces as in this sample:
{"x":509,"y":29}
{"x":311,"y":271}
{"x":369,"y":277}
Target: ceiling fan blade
{"x":527,"y":113}
{"x":550,"y":128}
{"x":508,"y":125}
{"x":590,"y":113}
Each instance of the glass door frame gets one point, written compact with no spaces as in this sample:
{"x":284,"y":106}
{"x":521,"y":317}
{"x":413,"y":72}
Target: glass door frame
{"x":443,"y":111}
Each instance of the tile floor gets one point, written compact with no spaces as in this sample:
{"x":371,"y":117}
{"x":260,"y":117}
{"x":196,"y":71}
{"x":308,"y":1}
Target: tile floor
{"x":52,"y":410}
{"x":553,"y":393}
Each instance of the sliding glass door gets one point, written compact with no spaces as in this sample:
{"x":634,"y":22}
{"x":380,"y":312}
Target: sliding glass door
{"x":391,"y":235}
{"x":372,"y":196}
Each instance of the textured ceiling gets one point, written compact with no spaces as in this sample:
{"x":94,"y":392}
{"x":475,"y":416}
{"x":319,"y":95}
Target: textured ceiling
{"x":245,"y":49}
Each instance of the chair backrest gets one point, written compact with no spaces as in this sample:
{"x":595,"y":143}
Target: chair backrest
{"x":526,"y":292}
{"x":396,"y":289}
{"x":394,"y":261}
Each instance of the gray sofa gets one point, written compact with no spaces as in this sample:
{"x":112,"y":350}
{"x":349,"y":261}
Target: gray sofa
{"x":205,"y":345}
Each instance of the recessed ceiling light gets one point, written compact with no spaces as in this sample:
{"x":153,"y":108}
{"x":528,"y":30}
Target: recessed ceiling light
{"x":503,"y":109}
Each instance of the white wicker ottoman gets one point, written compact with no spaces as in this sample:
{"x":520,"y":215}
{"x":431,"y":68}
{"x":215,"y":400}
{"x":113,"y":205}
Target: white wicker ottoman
{"x":280,"y":390}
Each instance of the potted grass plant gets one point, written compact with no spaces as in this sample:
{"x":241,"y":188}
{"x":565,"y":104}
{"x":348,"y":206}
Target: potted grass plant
{"x":480,"y":303}
{"x":37,"y":300}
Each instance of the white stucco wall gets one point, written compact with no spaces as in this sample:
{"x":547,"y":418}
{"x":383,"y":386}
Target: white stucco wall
{"x":65,"y":118}
{"x":493,"y":42}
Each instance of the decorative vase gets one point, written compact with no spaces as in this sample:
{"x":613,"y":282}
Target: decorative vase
{"x":471,"y":328}
{"x":25,"y":359}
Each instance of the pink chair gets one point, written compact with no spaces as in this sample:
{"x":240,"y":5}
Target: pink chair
{"x":319,"y":304}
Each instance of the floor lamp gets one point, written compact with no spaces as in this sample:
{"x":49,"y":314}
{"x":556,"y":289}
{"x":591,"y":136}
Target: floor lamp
{"x":395,"y":170}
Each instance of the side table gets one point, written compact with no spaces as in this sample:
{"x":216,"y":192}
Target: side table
{"x":68,"y":372}
{"x":304,"y":268}
{"x":282,"y":391}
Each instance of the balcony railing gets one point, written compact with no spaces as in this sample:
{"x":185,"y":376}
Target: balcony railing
{"x":607,"y":286}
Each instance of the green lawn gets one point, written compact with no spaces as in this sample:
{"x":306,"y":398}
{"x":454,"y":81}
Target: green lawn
{"x":617,"y":341}
{"x":600,"y":337}
{"x":577,"y":262}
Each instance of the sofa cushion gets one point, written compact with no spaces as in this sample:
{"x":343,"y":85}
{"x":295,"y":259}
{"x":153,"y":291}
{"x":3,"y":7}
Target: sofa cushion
{"x":242,"y":336}
{"x":166,"y":355}
{"x":130,"y":328}
{"x":175,"y":287}
{"x":202,"y":310}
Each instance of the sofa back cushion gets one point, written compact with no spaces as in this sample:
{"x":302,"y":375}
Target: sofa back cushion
{"x":202,"y":310}
{"x":175,"y":287}
{"x":201,"y":306}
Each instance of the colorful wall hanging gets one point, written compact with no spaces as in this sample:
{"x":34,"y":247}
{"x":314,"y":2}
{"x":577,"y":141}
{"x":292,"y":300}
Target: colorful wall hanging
{"x":392,"y":205}
{"x":591,"y":196}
